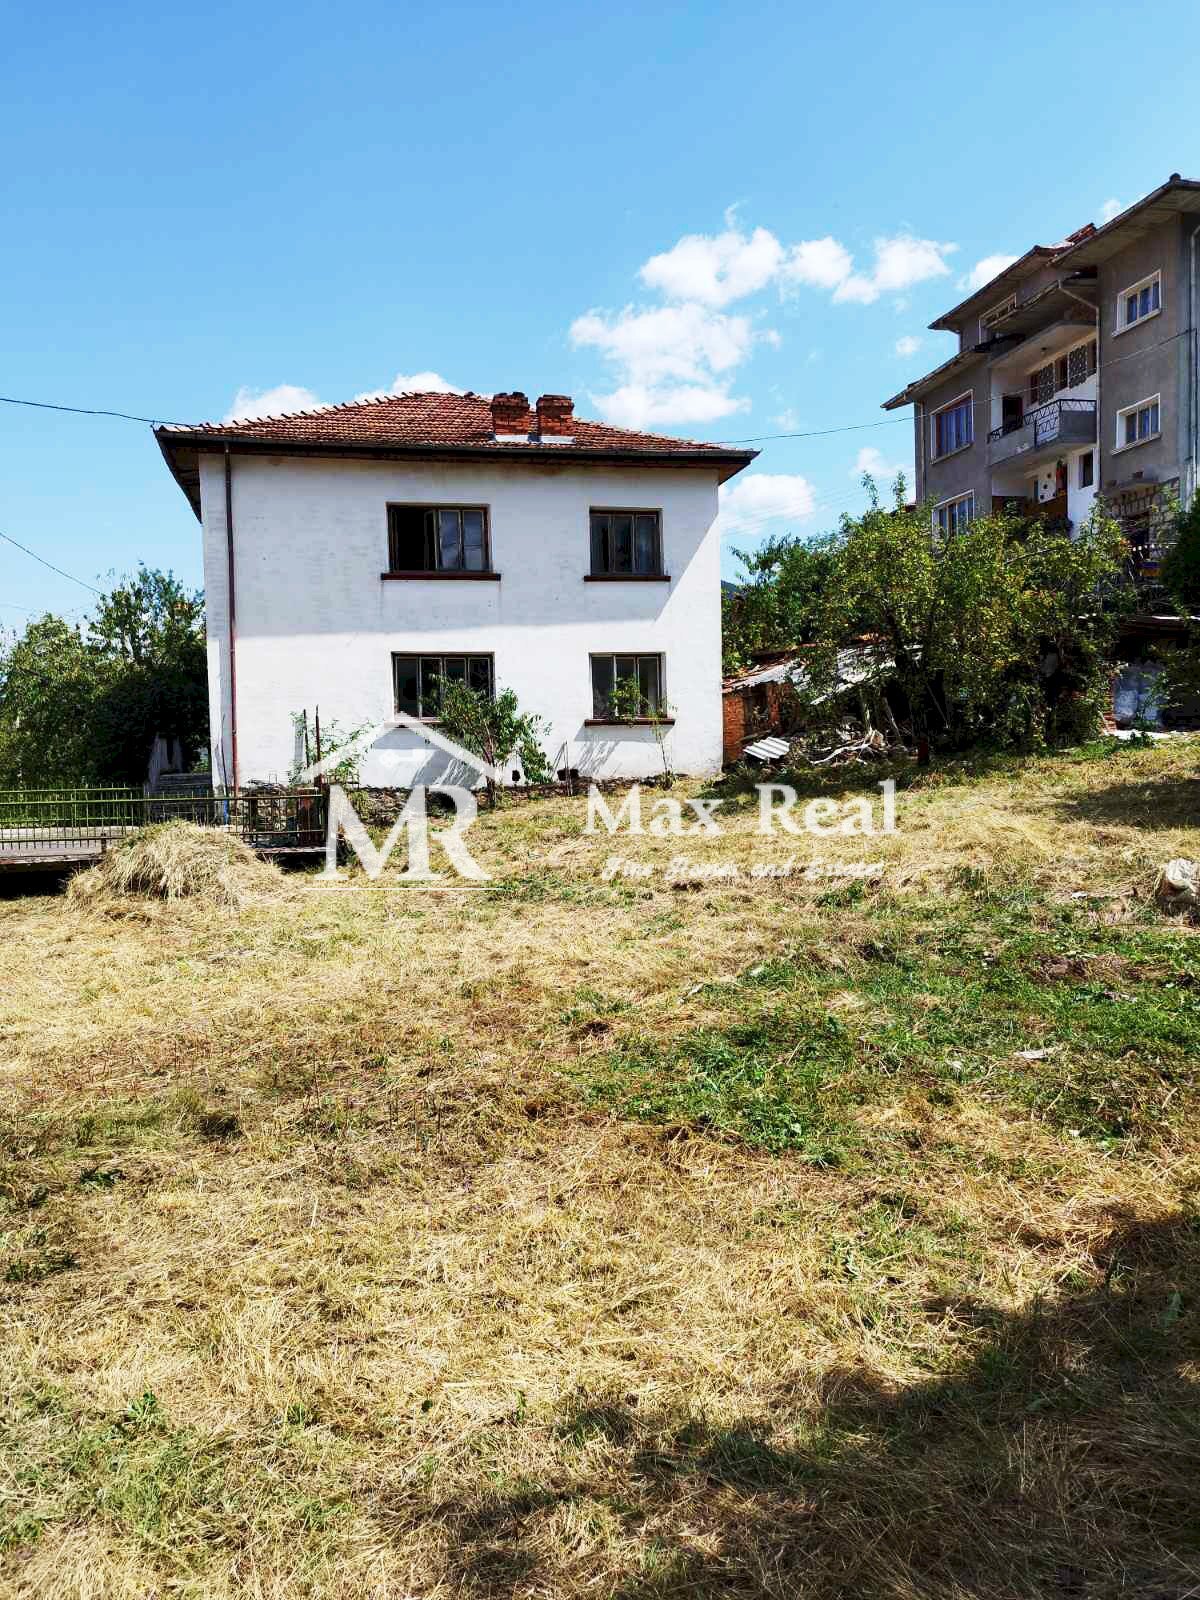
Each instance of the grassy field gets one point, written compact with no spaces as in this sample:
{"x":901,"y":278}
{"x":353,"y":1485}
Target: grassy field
{"x":825,"y":1234}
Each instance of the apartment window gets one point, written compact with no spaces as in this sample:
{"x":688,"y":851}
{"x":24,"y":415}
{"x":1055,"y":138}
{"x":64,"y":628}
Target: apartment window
{"x":418,"y":680}
{"x":1139,"y":301}
{"x":1136,"y":424}
{"x":952,"y":516}
{"x":617,"y":679}
{"x":627,"y":544}
{"x":438,"y":539}
{"x":989,"y":318}
{"x":1080,"y":364}
{"x":1042,"y":385}
{"x":1087,"y":469}
{"x":953,"y":426}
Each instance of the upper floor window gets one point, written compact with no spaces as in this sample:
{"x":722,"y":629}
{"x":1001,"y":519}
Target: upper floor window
{"x":417,"y":680}
{"x":1139,"y":301}
{"x":952,"y":516}
{"x":1067,"y":371}
{"x":1041,"y":384}
{"x":996,"y":312}
{"x":953,"y":426}
{"x":438,"y":539}
{"x":1078,"y":365}
{"x":1137,"y":423}
{"x":627,"y":544}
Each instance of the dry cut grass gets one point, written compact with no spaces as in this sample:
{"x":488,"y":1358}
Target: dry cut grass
{"x":176,"y":861}
{"x":823,"y":1234}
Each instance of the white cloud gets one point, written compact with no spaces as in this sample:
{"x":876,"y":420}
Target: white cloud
{"x":674,"y":362}
{"x":412,"y":383}
{"x":755,"y":499}
{"x":900,"y":262}
{"x":819,"y":263}
{"x":985,"y":270}
{"x":907,"y":345}
{"x":639,"y":405}
{"x":669,"y":359}
{"x":788,"y":418}
{"x":875,"y":463}
{"x":276,"y":402}
{"x":423,"y":383}
{"x":1110,"y":209}
{"x":715,"y":269}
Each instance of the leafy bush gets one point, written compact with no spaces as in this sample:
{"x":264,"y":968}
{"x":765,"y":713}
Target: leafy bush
{"x":495,"y":728}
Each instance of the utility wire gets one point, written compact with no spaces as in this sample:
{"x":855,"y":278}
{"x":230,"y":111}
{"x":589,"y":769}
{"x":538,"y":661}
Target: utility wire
{"x":10,"y":540}
{"x":79,"y":411}
{"x":760,"y":438}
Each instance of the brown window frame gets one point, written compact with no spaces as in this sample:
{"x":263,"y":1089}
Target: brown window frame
{"x":610,"y":573}
{"x":435,"y":509}
{"x":603,"y":715}
{"x":431,"y":712}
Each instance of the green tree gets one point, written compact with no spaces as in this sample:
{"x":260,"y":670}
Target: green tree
{"x":999,"y":633}
{"x":776,"y":605}
{"x":495,"y":728}
{"x":1181,"y":579}
{"x":81,"y":705}
{"x":48,"y":684}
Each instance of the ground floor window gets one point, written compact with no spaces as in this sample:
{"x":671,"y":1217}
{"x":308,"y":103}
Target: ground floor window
{"x":417,"y":680}
{"x":1087,"y":469}
{"x":952,"y":516}
{"x":625,"y":686}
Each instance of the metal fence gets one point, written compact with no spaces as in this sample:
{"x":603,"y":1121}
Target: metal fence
{"x":38,"y":824}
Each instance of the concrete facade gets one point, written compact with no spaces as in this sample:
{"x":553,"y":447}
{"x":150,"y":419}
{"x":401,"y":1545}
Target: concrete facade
{"x":317,"y":625}
{"x":1049,"y":435}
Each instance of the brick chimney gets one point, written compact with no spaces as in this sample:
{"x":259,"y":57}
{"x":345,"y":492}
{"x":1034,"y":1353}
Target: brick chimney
{"x":511,"y":415}
{"x":555,"y":416}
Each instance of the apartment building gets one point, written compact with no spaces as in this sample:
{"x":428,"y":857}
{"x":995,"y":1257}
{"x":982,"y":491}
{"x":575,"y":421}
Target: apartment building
{"x":1075,"y":375}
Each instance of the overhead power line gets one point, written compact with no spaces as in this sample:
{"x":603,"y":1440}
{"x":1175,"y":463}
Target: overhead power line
{"x":79,"y":411}
{"x":25,"y":548}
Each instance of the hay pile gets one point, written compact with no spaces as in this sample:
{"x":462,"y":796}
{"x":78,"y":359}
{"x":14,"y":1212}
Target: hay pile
{"x":177,"y":861}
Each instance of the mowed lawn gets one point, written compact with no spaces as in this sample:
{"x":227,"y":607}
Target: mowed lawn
{"x":811,"y":1235}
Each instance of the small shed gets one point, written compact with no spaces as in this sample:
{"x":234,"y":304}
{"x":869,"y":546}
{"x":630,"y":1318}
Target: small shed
{"x":758,"y":702}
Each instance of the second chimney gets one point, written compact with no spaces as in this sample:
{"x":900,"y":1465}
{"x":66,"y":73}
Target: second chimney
{"x":511,"y":416}
{"x":555,"y":416}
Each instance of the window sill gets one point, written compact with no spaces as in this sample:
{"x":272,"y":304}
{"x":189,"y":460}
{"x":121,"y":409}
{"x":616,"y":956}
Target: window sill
{"x":627,"y":577}
{"x":440,"y":577}
{"x":957,"y":451}
{"x":1120,"y":449}
{"x":629,"y":722}
{"x":1128,"y":327}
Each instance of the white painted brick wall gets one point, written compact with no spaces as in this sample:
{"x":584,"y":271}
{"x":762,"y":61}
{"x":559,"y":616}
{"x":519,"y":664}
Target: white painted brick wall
{"x":317,"y":626}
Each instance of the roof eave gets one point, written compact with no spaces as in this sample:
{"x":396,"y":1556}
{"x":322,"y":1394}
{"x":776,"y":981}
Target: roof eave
{"x":944,"y":324}
{"x":914,"y":390}
{"x":170,"y":440}
{"x":1097,"y":247}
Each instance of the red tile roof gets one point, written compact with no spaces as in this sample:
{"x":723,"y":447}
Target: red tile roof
{"x":425,"y":424}
{"x":428,"y":419}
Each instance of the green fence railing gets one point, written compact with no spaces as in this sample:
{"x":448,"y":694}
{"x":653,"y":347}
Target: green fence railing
{"x":49,"y":822}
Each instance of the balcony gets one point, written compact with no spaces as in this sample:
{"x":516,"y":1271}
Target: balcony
{"x":1059,"y":425}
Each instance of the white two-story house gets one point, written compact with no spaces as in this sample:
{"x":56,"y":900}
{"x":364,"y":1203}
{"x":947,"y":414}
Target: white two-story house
{"x":358,"y":555}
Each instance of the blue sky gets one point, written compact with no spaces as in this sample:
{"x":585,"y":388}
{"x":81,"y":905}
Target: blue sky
{"x":722,"y":221}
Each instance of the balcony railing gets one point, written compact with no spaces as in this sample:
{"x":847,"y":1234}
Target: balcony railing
{"x":1060,"y":422}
